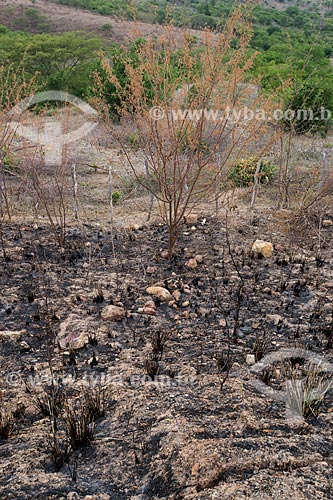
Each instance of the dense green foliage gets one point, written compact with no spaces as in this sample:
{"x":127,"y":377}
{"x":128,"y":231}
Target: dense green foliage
{"x":61,"y":62}
{"x":242,"y":174}
{"x":105,"y":7}
{"x":294,"y":43}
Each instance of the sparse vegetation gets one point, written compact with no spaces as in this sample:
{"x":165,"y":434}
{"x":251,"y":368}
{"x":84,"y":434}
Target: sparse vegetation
{"x":7,"y":424}
{"x":166,"y":323}
{"x":242,"y":173}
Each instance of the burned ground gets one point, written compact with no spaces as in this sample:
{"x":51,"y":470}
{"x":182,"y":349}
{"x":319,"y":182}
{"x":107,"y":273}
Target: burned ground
{"x":190,"y":431}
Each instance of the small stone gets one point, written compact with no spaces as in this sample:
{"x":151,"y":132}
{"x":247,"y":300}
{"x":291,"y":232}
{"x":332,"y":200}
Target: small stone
{"x":275,"y":318}
{"x":199,"y":258}
{"x":151,"y":311}
{"x":24,"y":346}
{"x":113,"y":313}
{"x":73,"y":496}
{"x":159,"y":292}
{"x":191,"y":264}
{"x":327,"y":223}
{"x":73,"y":333}
{"x":186,"y":303}
{"x":164,"y":254}
{"x":250,"y":359}
{"x":203,"y":311}
{"x":222,"y":322}
{"x":191,"y":219}
{"x":195,"y":470}
{"x":263,"y":248}
{"x":150,"y":303}
{"x":151,"y":270}
{"x":176,"y":295}
{"x":11,"y":334}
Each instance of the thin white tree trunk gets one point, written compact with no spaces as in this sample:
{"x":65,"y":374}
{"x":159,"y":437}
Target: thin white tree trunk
{"x":75,"y":192}
{"x":255,"y":183}
{"x":151,"y":195}
{"x":110,"y":188}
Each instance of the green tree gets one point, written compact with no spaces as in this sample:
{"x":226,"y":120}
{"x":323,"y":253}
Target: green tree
{"x":62,"y":62}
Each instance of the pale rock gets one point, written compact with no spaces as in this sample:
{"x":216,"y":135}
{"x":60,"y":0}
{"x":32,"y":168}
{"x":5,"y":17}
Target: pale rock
{"x":151,"y":311}
{"x":24,"y":346}
{"x":264,"y":248}
{"x":191,"y":219}
{"x":191,"y":264}
{"x":327,"y":223}
{"x":186,"y":303}
{"x":160,"y":292}
{"x":176,"y":295}
{"x":151,"y":270}
{"x":73,"y":496}
{"x":150,"y":303}
{"x":73,"y":333}
{"x":11,"y":334}
{"x":275,"y":318}
{"x":199,"y":258}
{"x":250,"y":359}
{"x":113,"y":313}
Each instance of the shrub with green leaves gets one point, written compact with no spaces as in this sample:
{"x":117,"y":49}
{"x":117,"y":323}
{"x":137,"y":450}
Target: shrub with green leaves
{"x":242,"y":173}
{"x":116,"y":195}
{"x":7,"y":160}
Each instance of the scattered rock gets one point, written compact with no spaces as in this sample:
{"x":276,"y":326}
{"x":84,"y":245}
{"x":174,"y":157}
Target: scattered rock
{"x":250,"y":359}
{"x":327,"y":223}
{"x":73,"y":333}
{"x":9,"y":334}
{"x":160,"y":292}
{"x":151,"y":270}
{"x":191,"y":264}
{"x":73,"y":496}
{"x":186,"y":303}
{"x":148,"y":308}
{"x":199,"y":258}
{"x":203,"y":311}
{"x":113,"y":313}
{"x":275,"y":318}
{"x":176,"y":295}
{"x":191,"y":219}
{"x":24,"y":346}
{"x":263,"y":248}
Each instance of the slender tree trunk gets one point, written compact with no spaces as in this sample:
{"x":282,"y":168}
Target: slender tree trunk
{"x":75,"y":192}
